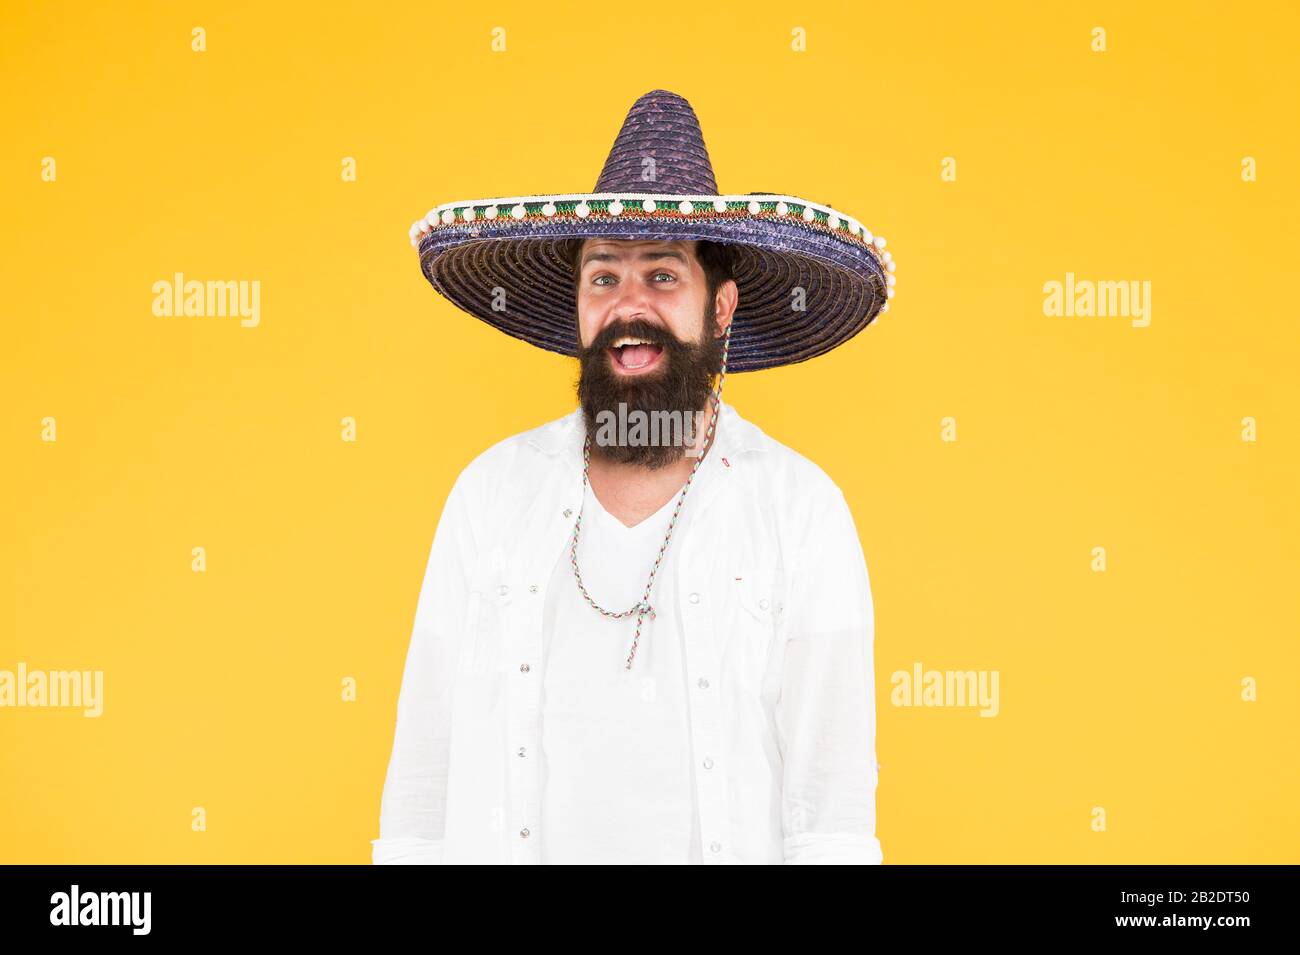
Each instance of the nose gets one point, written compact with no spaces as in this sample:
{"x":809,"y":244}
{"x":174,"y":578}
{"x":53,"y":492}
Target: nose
{"x":623,"y":312}
{"x":632,"y":301}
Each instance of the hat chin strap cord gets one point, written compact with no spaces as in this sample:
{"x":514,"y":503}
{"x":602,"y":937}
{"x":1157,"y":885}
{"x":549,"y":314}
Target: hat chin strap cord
{"x":642,"y":608}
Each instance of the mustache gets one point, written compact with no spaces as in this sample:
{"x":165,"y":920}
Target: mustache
{"x":635,"y":328}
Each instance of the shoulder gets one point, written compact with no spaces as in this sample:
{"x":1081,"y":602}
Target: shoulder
{"x":809,"y":516}
{"x":791,"y":475}
{"x":531,"y":454}
{"x":804,"y":510}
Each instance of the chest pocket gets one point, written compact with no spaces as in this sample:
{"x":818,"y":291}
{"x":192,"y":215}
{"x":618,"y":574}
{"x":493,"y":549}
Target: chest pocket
{"x":489,"y":598}
{"x":757,"y":592}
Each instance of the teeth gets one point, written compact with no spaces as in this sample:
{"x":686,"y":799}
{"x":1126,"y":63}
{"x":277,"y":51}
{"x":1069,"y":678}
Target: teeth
{"x":625,"y":340}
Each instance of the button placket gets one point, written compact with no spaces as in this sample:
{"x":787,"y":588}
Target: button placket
{"x":705,"y":712}
{"x":524,"y":696}
{"x":711,"y":781}
{"x":520,"y":776}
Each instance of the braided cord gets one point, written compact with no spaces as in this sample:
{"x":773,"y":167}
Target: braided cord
{"x":642,"y":608}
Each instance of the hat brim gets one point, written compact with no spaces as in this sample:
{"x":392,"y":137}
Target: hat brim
{"x":808,"y":278}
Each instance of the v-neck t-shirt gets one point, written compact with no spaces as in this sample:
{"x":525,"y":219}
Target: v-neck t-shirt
{"x":616,"y":770}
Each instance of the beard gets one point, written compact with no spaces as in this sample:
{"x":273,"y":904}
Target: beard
{"x":681,"y":384}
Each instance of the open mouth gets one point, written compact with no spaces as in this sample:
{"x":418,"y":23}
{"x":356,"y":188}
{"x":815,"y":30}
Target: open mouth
{"x":634,"y":356}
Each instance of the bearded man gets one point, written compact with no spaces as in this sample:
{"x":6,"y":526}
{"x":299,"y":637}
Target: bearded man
{"x":632,"y":649}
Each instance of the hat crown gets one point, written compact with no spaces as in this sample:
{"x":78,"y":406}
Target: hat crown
{"x":660,"y":150}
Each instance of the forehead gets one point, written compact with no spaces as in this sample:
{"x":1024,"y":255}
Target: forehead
{"x":637,"y":250}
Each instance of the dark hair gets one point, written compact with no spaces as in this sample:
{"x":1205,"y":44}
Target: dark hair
{"x":718,"y":259}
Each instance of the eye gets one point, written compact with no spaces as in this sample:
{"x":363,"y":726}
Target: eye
{"x":669,"y":274}
{"x":603,"y":275}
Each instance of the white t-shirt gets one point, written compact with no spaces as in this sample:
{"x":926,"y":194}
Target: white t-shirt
{"x":616,"y":772}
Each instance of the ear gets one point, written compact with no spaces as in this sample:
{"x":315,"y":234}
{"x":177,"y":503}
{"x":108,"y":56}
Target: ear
{"x":724,"y":304}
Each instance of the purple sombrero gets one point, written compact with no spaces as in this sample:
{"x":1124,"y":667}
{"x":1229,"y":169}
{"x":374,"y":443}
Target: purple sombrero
{"x":658,"y":184}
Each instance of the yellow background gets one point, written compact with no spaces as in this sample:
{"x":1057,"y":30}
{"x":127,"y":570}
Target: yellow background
{"x":222,"y":689}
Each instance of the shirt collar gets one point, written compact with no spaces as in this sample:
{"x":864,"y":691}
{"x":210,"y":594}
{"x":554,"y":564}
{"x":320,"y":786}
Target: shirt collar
{"x":564,"y":436}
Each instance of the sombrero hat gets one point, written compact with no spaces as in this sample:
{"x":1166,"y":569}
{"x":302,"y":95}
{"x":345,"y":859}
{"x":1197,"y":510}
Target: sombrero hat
{"x":501,"y":259}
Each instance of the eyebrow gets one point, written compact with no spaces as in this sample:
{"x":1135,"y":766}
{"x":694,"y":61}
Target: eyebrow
{"x":643,"y":257}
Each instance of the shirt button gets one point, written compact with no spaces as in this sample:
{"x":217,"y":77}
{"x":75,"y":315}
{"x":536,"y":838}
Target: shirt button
{"x":714,"y":847}
{"x":568,"y":512}
{"x":762,"y":605}
{"x":532,"y":588}
{"x":503,"y":590}
{"x":523,"y":834}
{"x":694,"y":598}
{"x":524,"y":668}
{"x":708,"y":762}
{"x":522,"y":751}
{"x":703,"y":684}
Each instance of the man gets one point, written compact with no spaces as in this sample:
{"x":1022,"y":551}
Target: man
{"x":628,"y":649}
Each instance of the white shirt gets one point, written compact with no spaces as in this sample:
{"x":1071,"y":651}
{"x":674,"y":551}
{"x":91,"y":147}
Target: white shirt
{"x":616,"y":743}
{"x":776,"y":630}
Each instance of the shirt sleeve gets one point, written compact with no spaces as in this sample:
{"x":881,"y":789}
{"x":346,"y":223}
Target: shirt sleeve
{"x":412,"y":816}
{"x":826,"y":712}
